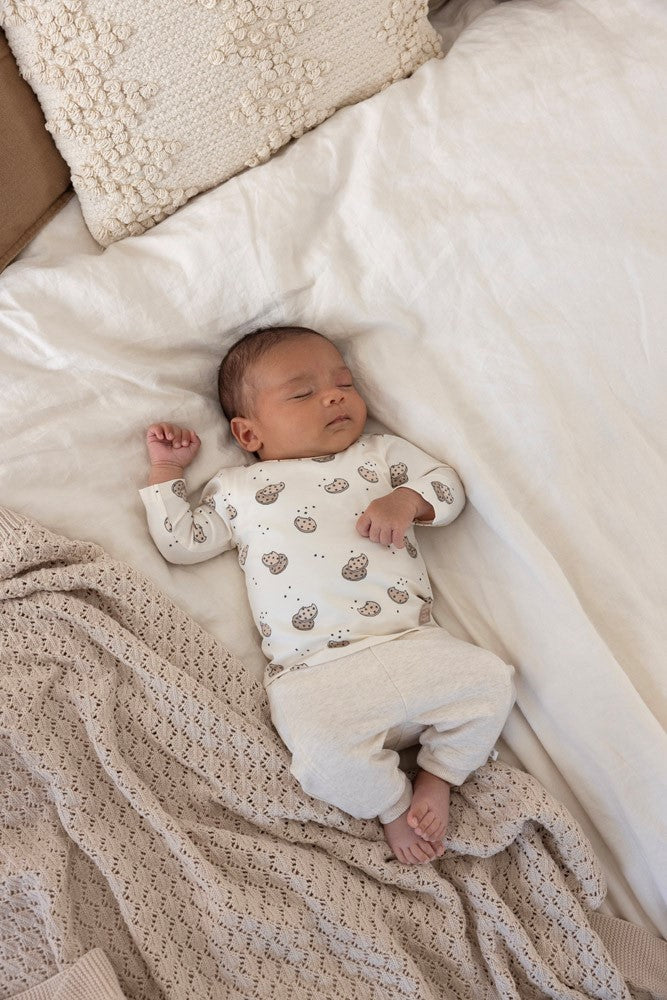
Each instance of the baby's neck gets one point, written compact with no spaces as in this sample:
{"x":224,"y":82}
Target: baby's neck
{"x":289,"y":457}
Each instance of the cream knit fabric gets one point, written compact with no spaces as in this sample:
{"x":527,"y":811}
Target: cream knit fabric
{"x":151,"y":102}
{"x":146,"y":808}
{"x":90,"y":978}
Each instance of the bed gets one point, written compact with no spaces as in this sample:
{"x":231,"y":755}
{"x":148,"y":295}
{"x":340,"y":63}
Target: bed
{"x":486,"y":242}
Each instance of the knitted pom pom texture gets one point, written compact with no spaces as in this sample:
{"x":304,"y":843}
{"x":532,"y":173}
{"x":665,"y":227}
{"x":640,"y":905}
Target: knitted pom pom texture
{"x":152,"y":102}
{"x":147,"y":808}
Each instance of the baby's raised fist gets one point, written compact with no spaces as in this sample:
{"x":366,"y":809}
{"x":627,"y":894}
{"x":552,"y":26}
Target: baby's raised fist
{"x":169,"y":444}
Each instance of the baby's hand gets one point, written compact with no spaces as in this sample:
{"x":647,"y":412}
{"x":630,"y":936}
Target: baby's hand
{"x":387,"y":519}
{"x":168,"y":444}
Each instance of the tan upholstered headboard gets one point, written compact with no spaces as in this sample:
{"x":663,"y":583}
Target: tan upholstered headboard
{"x":34,"y":178}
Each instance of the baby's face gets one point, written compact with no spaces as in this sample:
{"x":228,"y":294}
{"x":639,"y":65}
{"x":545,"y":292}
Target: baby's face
{"x":303,"y":402}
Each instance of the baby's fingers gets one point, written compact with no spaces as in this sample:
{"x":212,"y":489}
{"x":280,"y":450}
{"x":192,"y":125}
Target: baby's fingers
{"x":364,"y":525}
{"x":398,"y":537}
{"x":160,"y":432}
{"x":184,"y":438}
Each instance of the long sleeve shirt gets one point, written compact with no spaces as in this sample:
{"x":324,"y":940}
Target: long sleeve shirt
{"x":317,"y":588}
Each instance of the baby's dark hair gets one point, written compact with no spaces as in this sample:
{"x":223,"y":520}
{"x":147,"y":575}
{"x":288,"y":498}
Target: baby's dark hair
{"x":234,"y":367}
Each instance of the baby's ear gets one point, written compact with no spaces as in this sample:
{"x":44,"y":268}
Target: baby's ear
{"x":245,"y":434}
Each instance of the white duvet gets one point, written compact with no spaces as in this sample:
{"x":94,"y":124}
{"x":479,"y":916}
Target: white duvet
{"x":486,"y":242}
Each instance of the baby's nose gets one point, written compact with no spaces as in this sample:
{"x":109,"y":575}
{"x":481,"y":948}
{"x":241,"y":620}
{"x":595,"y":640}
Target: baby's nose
{"x":333,"y":396}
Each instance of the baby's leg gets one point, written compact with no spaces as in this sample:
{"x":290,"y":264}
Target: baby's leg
{"x":336,"y":734}
{"x":364,"y":779}
{"x":461,"y":695}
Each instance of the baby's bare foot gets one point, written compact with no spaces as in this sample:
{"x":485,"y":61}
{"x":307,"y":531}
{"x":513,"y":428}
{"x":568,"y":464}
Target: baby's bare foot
{"x":428,"y":814}
{"x":407,"y":846}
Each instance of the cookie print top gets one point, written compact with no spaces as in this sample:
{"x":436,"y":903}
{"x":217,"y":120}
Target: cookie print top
{"x":317,"y":588}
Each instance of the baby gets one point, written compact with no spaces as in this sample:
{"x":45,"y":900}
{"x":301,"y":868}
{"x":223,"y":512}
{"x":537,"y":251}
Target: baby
{"x":323,"y":524}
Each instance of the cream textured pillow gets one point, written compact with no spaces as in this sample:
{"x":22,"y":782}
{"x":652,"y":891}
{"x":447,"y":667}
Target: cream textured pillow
{"x":151,"y":102}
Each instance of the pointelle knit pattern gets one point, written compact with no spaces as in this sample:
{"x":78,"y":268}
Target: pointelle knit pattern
{"x":147,"y":809}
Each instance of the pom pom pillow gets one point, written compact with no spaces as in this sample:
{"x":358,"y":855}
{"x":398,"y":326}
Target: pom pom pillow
{"x":152,"y":102}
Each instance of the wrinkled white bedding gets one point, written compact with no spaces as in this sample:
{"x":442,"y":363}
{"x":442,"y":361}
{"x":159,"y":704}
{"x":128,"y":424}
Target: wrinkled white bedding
{"x":486,"y":241}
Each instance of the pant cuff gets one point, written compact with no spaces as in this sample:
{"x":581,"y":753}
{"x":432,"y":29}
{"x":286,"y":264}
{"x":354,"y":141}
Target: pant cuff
{"x":453,"y":775}
{"x":403,"y":803}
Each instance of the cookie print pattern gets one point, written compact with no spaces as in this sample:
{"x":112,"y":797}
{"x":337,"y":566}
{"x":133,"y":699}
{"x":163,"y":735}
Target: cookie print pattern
{"x":283,"y":520}
{"x":269,"y":494}
{"x":398,"y":474}
{"x":410,"y":548}
{"x":275,"y":561}
{"x":425,"y":613}
{"x":443,"y":493}
{"x":398,"y":596}
{"x":337,"y":486}
{"x":305,"y":617}
{"x":355,"y":568}
{"x":305,"y":524}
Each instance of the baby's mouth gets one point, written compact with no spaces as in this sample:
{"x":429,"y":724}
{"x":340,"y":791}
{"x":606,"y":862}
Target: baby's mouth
{"x":337,"y":420}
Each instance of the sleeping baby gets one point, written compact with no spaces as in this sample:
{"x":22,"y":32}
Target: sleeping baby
{"x":323,"y":522}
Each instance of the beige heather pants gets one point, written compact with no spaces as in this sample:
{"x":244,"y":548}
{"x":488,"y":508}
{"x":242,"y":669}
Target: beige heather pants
{"x":344,"y":721}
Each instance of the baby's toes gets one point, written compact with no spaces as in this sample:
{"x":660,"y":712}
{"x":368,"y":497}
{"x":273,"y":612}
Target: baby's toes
{"x":416,"y":815}
{"x":428,"y":826}
{"x":421,"y":852}
{"x":435,"y":831}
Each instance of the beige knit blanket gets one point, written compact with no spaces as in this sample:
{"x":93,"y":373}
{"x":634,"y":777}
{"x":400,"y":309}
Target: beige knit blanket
{"x":147,"y":809}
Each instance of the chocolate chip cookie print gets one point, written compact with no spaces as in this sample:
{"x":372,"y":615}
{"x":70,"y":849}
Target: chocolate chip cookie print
{"x":305,"y":524}
{"x":355,"y":568}
{"x":443,"y":493}
{"x":269,"y":494}
{"x":425,"y":611}
{"x":337,"y":486}
{"x":370,"y":475}
{"x":305,"y":617}
{"x":397,"y":595}
{"x":398,"y":473}
{"x":276,"y":562}
{"x":410,"y":548}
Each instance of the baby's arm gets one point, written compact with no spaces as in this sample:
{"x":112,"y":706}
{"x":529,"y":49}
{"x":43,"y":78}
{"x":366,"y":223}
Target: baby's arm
{"x":181,"y":534}
{"x":426,"y":492}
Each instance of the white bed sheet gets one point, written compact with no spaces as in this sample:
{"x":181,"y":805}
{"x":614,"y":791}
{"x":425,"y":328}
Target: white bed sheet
{"x":486,"y":241}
